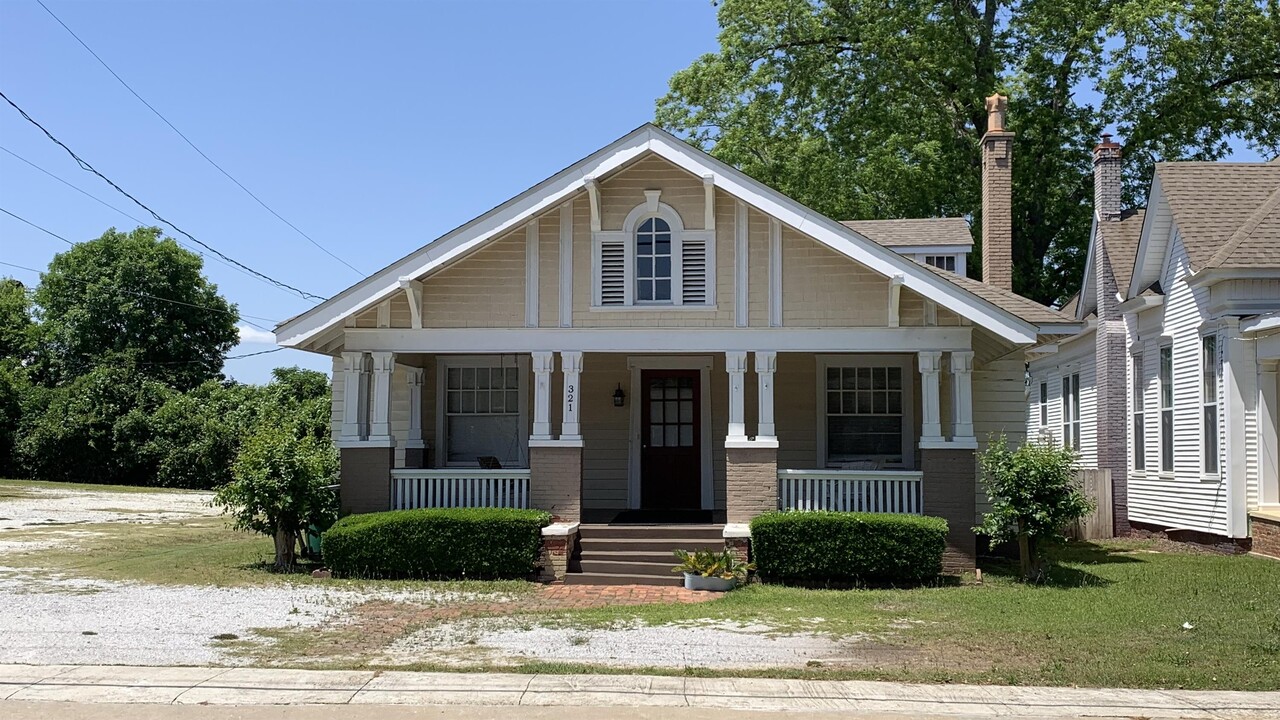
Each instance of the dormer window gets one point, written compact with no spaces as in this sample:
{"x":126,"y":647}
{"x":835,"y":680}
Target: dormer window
{"x":942,"y":262}
{"x":653,"y":261}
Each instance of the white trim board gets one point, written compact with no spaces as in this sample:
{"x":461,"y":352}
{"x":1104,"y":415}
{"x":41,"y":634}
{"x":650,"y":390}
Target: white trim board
{"x":547,"y":195}
{"x":701,"y":363}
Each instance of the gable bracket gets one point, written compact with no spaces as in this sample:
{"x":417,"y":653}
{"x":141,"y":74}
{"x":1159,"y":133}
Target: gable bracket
{"x":593,"y":194}
{"x":413,"y":293}
{"x":895,"y":298}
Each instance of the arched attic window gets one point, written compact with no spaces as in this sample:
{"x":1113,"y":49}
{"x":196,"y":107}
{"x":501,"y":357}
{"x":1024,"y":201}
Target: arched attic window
{"x":653,"y":252}
{"x":654,"y":260}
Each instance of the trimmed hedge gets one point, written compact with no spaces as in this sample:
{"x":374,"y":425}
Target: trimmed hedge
{"x":845,"y":547}
{"x":436,"y":543}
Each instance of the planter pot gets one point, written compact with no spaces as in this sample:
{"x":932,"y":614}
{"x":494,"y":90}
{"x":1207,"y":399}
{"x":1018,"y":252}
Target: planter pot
{"x":694,"y":581}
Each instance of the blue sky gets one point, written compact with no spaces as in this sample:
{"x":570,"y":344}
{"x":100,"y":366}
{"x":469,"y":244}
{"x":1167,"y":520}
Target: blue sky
{"x":373,"y":127}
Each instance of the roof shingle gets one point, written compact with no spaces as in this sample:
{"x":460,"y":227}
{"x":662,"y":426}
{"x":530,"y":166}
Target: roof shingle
{"x":912,"y":232}
{"x":1228,"y":213}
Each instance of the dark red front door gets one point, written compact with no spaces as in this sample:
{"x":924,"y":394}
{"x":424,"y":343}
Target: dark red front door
{"x":670,"y":439}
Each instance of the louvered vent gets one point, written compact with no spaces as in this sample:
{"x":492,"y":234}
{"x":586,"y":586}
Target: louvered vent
{"x":694,"y":261}
{"x":613,"y":273}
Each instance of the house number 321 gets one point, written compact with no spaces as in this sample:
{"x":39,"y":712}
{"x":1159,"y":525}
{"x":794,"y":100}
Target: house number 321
{"x":569,"y":397}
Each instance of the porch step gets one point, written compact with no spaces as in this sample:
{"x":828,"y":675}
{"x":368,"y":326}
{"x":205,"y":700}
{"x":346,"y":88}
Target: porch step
{"x":652,"y":545}
{"x":596,"y":578}
{"x":635,"y":556}
{"x":660,"y":531}
{"x":649,"y":569}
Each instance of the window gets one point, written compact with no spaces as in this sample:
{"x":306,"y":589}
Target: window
{"x":1139,"y":415}
{"x":653,"y":261}
{"x":1209,"y":400}
{"x":865,"y":416}
{"x":482,"y":411}
{"x":1044,"y":404}
{"x":1071,"y":411}
{"x":942,"y":262}
{"x":1166,"y":408}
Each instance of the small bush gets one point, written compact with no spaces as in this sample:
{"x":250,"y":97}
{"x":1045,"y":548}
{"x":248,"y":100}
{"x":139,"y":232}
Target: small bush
{"x":843,"y":547}
{"x":436,"y":543}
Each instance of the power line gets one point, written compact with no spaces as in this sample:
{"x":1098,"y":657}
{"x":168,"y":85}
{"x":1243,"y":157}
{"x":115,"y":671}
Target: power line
{"x":252,"y":354}
{"x":193,"y":145}
{"x":135,"y":292}
{"x":90,"y":168}
{"x":104,"y":203}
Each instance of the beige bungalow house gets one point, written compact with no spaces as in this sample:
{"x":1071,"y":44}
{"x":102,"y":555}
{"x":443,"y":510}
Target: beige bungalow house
{"x":650,"y":336}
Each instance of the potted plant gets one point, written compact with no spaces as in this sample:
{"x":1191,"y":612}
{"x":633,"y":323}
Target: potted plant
{"x":706,"y":570}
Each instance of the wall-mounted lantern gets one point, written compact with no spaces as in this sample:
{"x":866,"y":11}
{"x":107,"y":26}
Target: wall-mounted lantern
{"x":619,"y":397}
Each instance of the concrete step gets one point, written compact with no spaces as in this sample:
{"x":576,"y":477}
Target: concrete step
{"x":698,"y":532}
{"x":651,"y":545}
{"x":613,"y":567}
{"x":657,"y":556}
{"x":622,"y":579}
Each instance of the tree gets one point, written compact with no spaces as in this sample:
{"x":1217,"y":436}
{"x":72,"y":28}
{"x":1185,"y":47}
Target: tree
{"x":1034,"y":496}
{"x":875,"y":110}
{"x":279,"y":488}
{"x":138,"y":298}
{"x":16,"y":326}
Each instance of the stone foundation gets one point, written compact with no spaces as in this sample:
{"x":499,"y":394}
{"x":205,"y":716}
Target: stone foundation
{"x":949,"y":477}
{"x":1209,"y":541}
{"x":559,"y":542}
{"x":365,"y":478}
{"x":1265,"y":529}
{"x":751,"y":482}
{"x":555,"y":481}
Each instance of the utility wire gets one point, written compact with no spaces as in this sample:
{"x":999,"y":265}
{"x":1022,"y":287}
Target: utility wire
{"x":104,"y":203}
{"x":90,"y":168}
{"x":134,"y":292}
{"x":193,"y":145}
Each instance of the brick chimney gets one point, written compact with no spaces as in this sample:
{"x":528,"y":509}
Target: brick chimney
{"x":997,"y":196}
{"x":1106,"y":179}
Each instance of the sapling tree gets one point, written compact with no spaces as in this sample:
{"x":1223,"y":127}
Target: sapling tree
{"x":1034,"y":496}
{"x":279,"y":487}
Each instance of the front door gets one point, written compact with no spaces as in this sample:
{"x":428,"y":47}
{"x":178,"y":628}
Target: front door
{"x":670,"y":440}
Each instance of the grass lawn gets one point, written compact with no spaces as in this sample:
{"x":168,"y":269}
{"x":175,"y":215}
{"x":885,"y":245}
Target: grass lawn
{"x":10,"y":488}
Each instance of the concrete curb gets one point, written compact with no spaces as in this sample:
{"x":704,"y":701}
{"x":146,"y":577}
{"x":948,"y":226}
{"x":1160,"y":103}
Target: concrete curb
{"x":262,"y":686}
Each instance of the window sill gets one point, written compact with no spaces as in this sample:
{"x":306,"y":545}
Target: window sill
{"x":653,"y":308}
{"x":1210,"y":477}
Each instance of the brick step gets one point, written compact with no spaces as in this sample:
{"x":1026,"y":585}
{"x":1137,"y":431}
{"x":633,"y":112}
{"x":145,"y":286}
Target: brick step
{"x":622,"y":579}
{"x":687,"y":532}
{"x":613,"y":567}
{"x":659,"y":545}
{"x":655,"y":556}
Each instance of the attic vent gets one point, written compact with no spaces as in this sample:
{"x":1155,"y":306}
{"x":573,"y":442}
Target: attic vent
{"x":694,"y":272}
{"x":613,"y":272}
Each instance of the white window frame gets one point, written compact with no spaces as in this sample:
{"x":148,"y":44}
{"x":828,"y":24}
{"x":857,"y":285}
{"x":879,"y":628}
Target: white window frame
{"x":1205,"y":404}
{"x":1166,"y":444}
{"x":932,"y":260}
{"x":627,"y":236}
{"x":443,"y":364}
{"x":1071,"y":410}
{"x":1138,"y":409}
{"x":1044,"y":405}
{"x":906,"y":363}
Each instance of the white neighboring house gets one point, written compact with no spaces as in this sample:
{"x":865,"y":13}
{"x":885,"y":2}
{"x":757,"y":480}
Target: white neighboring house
{"x":1177,"y":365}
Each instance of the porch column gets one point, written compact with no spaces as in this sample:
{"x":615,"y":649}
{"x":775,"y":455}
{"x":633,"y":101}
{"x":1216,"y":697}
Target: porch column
{"x":353,"y":368}
{"x":736,"y":364}
{"x":380,"y":424}
{"x":543,"y":363}
{"x":414,"y":446}
{"x":1268,"y":440}
{"x":766,"y":365}
{"x":571,"y":366}
{"x":962,"y":394}
{"x":930,"y":405}
{"x":1239,"y":373}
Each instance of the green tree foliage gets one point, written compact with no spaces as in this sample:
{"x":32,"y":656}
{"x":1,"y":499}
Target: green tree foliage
{"x":15,"y":392}
{"x":102,"y":299}
{"x":279,"y":488}
{"x":875,"y":110}
{"x":17,"y":329}
{"x":1034,"y":496}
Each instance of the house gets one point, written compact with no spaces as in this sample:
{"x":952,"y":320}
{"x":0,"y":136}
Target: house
{"x":652,"y":336}
{"x":1172,"y":384}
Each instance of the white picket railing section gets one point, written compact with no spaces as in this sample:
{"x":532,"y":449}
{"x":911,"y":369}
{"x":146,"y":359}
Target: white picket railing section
{"x":887,"y":491}
{"x":457,"y":488}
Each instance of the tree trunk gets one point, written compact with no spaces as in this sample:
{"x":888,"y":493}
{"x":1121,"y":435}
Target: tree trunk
{"x":1024,"y":556}
{"x":285,"y":545}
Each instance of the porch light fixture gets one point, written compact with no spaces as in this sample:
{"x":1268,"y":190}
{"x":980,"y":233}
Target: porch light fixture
{"x":619,"y":397}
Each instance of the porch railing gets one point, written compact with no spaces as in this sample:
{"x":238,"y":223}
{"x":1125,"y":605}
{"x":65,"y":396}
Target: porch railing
{"x":888,"y":491}
{"x":458,"y":488}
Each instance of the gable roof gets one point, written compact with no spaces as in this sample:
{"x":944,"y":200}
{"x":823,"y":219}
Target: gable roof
{"x":913,"y":232}
{"x":1010,"y":302}
{"x":1120,"y":238}
{"x":649,"y":138}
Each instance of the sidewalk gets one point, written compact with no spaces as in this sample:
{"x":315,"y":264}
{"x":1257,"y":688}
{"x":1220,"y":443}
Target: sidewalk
{"x":24,"y":684}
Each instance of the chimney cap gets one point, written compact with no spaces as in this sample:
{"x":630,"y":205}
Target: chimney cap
{"x":1107,"y":143}
{"x":997,"y":107}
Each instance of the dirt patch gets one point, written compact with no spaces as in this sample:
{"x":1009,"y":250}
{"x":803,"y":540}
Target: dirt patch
{"x":36,"y":506}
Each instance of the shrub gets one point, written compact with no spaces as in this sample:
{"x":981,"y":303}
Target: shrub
{"x":818,"y":547}
{"x":436,"y":543}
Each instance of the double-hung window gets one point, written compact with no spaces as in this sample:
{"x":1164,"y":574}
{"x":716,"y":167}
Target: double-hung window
{"x":1139,"y":415}
{"x":653,"y":261}
{"x":1166,"y":408}
{"x":482,"y":410}
{"x":1209,"y":401}
{"x":1044,"y":405}
{"x":1071,"y":411}
{"x":866,"y":414}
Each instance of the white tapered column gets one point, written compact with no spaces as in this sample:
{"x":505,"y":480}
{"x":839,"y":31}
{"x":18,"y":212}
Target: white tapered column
{"x":766,"y":366}
{"x":571,"y":366}
{"x":736,"y":364}
{"x":962,"y":394}
{"x":384,"y":364}
{"x":413,"y":378}
{"x":930,"y":401}
{"x":353,"y":367}
{"x":543,"y":364}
